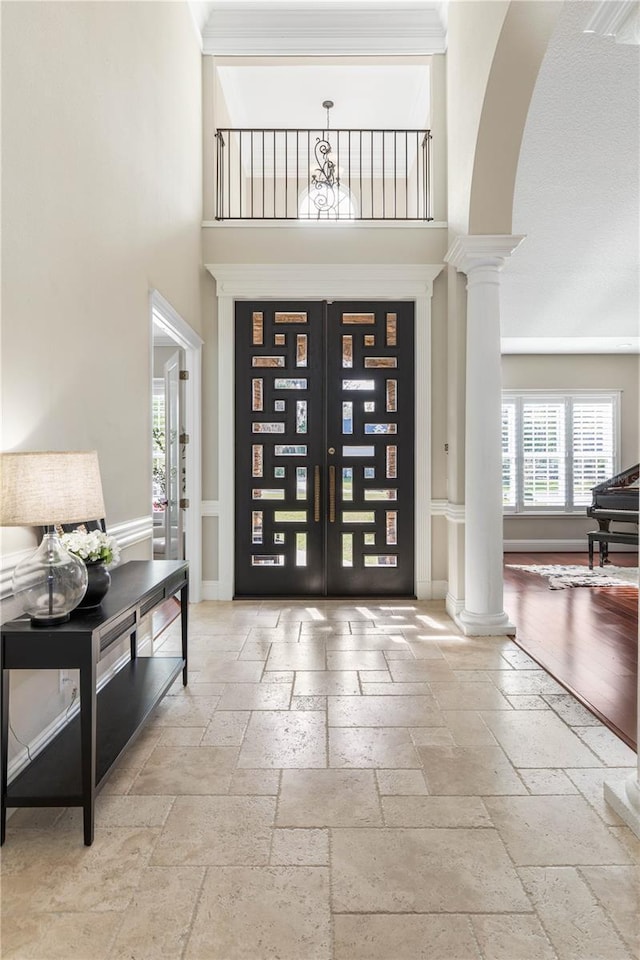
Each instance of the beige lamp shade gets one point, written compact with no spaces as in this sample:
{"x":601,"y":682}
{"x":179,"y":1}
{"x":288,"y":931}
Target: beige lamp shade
{"x":44,"y":488}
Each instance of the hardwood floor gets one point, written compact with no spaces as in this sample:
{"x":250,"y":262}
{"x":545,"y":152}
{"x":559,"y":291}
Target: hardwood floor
{"x":586,"y":637}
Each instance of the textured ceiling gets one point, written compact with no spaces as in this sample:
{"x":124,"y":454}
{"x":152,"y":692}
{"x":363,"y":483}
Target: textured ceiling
{"x":576,"y":197}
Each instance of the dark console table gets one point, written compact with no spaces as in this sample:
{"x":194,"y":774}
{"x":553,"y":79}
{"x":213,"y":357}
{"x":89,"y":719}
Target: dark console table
{"x":71,"y":769}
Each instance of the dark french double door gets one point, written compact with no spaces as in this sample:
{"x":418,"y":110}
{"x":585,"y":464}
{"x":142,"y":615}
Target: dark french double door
{"x":324,"y":435}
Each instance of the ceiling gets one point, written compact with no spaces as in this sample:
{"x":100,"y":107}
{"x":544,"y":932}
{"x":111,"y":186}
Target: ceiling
{"x":573,"y":283}
{"x":572,"y":286}
{"x":366,"y":96}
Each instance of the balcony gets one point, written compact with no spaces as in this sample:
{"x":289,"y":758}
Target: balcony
{"x":323,"y":175}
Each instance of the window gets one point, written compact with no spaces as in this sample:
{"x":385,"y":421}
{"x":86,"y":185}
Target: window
{"x":555,"y":448}
{"x":338,"y":203}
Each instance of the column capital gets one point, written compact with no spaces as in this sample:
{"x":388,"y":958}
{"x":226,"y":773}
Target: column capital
{"x":481,"y":250}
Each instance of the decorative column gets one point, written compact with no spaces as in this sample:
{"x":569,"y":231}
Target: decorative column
{"x":481,"y":258}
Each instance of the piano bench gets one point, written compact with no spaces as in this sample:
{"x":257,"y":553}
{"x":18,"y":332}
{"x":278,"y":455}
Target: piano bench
{"x":604,"y":538}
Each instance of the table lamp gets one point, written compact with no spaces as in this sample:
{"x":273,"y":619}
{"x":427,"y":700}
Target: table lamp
{"x":40,"y":490}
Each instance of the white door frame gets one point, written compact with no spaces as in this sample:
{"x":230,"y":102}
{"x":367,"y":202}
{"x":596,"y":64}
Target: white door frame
{"x":328,"y":281}
{"x":162,"y":314}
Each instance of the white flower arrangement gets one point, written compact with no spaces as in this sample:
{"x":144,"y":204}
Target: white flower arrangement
{"x":92,"y":546}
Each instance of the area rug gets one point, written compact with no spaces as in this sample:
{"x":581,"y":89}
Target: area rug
{"x":560,"y":576}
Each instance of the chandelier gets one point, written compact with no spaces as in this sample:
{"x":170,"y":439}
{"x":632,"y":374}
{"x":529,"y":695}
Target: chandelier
{"x":324,"y":191}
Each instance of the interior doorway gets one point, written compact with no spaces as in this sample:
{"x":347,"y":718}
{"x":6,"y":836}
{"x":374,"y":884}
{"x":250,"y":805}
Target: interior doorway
{"x":325,"y":449}
{"x":169,"y":453}
{"x":175,"y":493}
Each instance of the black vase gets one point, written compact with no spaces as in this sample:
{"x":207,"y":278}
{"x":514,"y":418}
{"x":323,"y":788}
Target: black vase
{"x":99,"y":581}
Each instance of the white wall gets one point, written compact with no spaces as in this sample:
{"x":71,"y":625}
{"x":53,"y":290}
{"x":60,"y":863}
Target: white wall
{"x":101,"y":196}
{"x":585,"y":372}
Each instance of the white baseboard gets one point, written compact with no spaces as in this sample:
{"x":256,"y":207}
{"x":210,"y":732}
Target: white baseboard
{"x":557,"y":546}
{"x":210,"y":589}
{"x":431,"y":589}
{"x":453,"y":605}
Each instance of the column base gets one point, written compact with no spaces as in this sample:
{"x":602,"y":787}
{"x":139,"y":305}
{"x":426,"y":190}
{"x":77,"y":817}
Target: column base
{"x":484,"y":624}
{"x":624,"y":797}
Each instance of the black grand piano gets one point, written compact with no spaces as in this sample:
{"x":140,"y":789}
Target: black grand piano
{"x":615,"y":500}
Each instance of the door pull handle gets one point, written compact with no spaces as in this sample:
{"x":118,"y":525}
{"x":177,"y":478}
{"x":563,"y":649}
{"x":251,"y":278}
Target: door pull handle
{"x":316,"y":494}
{"x":332,"y":494}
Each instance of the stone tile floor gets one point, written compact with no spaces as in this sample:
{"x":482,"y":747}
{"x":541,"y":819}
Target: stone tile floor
{"x":355,"y":782}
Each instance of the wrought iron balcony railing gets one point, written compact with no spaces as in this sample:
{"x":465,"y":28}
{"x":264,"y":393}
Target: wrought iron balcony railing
{"x":323,"y":174}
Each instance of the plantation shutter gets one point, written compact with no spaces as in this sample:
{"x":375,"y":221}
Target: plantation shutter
{"x":509,"y":454}
{"x":543,"y":454}
{"x":593,"y":446}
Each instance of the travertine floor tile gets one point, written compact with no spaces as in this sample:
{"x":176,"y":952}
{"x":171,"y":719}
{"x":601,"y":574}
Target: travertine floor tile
{"x":371,"y":688}
{"x":468,"y":728}
{"x":569,"y":710}
{"x":231,"y":671}
{"x":186,"y":770}
{"x":157,"y":922}
{"x":102,"y":877}
{"x":590,"y":783}
{"x":322,"y":682}
{"x":553,"y":830}
{"x":366,"y":641}
{"x":309,"y":703}
{"x":469,"y":771}
{"x":407,"y":937}
{"x":435,"y":812}
{"x":184,"y":711}
{"x":526,"y":681}
{"x":305,"y":655}
{"x":545,"y":781}
{"x":356,"y":660}
{"x":575,"y":923}
{"x":607,"y":747}
{"x":300,"y":848}
{"x":382,"y":763}
{"x":517,"y":937}
{"x":328,"y":798}
{"x":263,"y":913}
{"x":255,"y":696}
{"x":384,"y":712}
{"x":536,"y":739}
{"x":401,"y":783}
{"x":285,"y":739}
{"x":405,"y":671}
{"x":255,"y":783}
{"x":227,"y":728}
{"x":425,"y":871}
{"x":181,"y":736}
{"x":118,"y":811}
{"x":383,"y":747}
{"x":618,"y":890}
{"x":216,"y":830}
{"x":59,"y":936}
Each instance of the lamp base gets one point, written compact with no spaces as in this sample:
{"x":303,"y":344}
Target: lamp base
{"x":49,"y":621}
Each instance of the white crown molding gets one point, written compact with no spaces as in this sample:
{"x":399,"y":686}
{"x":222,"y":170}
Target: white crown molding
{"x":381,"y":27}
{"x":382,"y":281}
{"x":619,"y":20}
{"x":478,"y":250}
{"x":570,"y":345}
